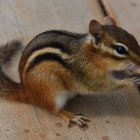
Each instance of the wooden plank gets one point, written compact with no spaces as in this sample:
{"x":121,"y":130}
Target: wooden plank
{"x":18,"y":121}
{"x":23,"y":20}
{"x":114,"y":116}
{"x":126,"y":14}
{"x":108,"y":10}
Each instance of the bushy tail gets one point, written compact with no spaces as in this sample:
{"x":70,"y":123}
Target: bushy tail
{"x":8,"y":50}
{"x":8,"y":87}
{"x":11,"y":90}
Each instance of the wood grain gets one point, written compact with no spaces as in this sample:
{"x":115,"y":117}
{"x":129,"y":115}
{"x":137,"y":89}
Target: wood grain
{"x":126,"y":13}
{"x":114,"y":116}
{"x":23,"y":20}
{"x":108,"y":10}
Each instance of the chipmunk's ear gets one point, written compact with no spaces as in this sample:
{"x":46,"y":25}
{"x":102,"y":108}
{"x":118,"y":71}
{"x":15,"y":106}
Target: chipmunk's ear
{"x":109,"y":21}
{"x":95,"y":29}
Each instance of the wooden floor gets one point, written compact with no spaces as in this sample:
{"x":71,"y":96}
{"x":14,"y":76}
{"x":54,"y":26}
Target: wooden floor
{"x":115,"y":116}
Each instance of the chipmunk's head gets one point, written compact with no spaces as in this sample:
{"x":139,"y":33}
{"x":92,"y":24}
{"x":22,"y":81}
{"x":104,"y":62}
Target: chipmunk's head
{"x":115,"y":42}
{"x":115,"y":45}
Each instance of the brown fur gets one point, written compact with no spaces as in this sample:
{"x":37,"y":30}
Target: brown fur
{"x":43,"y":87}
{"x":85,"y":70}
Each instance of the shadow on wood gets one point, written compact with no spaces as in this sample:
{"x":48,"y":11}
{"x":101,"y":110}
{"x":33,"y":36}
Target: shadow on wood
{"x":118,"y":103}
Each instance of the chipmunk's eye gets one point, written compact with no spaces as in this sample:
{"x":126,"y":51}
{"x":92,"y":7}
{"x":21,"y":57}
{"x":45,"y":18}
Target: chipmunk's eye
{"x":120,"y":49}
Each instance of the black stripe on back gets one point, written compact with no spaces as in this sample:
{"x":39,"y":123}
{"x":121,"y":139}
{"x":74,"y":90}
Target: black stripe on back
{"x":53,"y":38}
{"x":37,"y":47}
{"x":52,"y":45}
{"x":67,"y":33}
{"x":50,"y":38}
{"x":47,"y":56}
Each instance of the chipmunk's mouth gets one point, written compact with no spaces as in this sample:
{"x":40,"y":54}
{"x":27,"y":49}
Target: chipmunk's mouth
{"x":124,"y":74}
{"x":128,"y":71}
{"x":119,"y":74}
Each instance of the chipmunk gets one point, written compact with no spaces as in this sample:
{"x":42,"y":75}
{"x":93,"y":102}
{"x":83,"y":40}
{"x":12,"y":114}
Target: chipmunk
{"x":56,"y":65}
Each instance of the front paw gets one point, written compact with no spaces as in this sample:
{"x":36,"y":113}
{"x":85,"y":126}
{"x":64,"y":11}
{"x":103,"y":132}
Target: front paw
{"x":135,"y":81}
{"x":131,"y":82}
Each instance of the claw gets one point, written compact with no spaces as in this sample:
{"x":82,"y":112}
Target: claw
{"x":80,"y":121}
{"x":135,"y":81}
{"x":84,"y":127}
{"x":85,"y":119}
